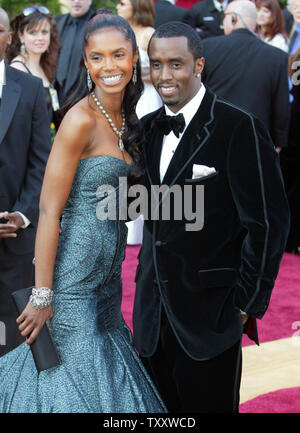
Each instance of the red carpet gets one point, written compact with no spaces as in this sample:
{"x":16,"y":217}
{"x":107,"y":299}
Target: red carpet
{"x":282,"y":320}
{"x":281,"y":401}
{"x":284,"y":308}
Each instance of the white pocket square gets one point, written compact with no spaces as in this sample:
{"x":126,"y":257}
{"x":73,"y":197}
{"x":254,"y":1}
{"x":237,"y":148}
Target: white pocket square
{"x":202,"y":170}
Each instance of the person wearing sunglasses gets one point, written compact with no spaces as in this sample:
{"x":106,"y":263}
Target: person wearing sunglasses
{"x":71,"y":28}
{"x":34,"y":50}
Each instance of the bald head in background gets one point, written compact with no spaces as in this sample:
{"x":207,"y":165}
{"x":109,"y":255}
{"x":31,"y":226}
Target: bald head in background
{"x":4,"y":16}
{"x":240,"y":14}
{"x":247,"y":72}
{"x":5,"y":35}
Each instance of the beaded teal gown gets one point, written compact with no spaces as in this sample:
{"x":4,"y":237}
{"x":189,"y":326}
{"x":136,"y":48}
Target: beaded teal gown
{"x":100,"y":370}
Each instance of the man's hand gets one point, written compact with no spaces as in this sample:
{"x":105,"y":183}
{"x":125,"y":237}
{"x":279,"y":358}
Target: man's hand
{"x":15,"y":221}
{"x":244,"y":317}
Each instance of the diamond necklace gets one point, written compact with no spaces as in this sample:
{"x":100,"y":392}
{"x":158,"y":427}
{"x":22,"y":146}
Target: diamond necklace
{"x":119,"y":133}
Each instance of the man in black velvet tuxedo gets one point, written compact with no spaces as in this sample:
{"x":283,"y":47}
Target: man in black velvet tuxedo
{"x":71,"y":28}
{"x":198,"y":285}
{"x":24,"y":147}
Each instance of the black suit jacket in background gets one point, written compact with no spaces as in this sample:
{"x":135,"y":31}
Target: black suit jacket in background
{"x":206,"y":19}
{"x":204,"y":277}
{"x":166,"y":12}
{"x":73,"y":71}
{"x":252,"y":75}
{"x":25,"y":144}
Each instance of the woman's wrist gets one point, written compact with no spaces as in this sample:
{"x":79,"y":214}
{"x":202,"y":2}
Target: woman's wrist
{"x":41,"y":297}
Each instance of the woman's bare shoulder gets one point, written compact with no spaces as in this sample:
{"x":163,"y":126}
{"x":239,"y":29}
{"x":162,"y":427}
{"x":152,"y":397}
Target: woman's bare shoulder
{"x":77,"y":127}
{"x":18,"y":63}
{"x":80,"y":116}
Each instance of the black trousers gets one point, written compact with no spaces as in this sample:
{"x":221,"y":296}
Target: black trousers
{"x":12,"y":277}
{"x":186,"y":385}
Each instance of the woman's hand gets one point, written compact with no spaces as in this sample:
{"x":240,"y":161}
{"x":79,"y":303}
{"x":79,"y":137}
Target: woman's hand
{"x":32,"y":320}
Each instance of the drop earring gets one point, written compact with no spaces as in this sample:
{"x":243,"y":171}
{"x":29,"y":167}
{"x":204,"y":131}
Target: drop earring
{"x":134,"y":75}
{"x":23,"y":48}
{"x":89,"y":80}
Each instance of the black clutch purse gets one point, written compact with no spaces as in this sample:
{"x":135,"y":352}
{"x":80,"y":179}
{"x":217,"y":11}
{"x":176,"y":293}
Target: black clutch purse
{"x":43,"y":348}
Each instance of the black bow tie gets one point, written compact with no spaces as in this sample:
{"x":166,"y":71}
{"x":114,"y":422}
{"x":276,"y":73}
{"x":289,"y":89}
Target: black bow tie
{"x":170,"y":123}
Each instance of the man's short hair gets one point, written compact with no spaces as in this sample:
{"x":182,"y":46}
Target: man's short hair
{"x":174,"y":29}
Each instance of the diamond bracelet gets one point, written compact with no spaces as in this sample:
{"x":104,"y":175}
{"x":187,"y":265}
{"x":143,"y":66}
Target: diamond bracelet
{"x":41,"y":297}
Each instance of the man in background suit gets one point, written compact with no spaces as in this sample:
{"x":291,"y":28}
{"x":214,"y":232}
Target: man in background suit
{"x":71,"y":28}
{"x":166,"y":10}
{"x":207,"y":17}
{"x":210,"y":266}
{"x":24,"y":147}
{"x":247,"y":72}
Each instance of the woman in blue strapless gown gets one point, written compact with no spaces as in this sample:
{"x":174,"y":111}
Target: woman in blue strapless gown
{"x":100,"y":370}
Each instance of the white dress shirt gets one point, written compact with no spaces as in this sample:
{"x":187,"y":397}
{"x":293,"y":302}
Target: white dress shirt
{"x":2,"y":83}
{"x":170,"y":141}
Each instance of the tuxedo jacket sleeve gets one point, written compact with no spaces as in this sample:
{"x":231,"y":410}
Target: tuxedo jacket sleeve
{"x":263,"y":212}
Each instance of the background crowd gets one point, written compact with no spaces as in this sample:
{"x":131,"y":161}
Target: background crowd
{"x":48,"y":45}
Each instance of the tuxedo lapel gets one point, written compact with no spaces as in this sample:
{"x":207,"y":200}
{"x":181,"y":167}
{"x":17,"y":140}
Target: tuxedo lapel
{"x":10,"y":97}
{"x":194,"y":137}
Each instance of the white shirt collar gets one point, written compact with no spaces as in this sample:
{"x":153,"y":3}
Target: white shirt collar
{"x":220,"y":6}
{"x":190,"y":109}
{"x":170,"y":141}
{"x":2,"y":76}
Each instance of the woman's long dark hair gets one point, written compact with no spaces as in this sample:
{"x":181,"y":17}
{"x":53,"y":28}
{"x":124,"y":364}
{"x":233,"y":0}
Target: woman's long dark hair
{"x":134,"y":136}
{"x":20,"y":23}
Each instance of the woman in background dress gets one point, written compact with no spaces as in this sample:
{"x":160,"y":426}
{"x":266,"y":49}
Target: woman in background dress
{"x":34,"y":49}
{"x":140,"y":15}
{"x":271,"y":24}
